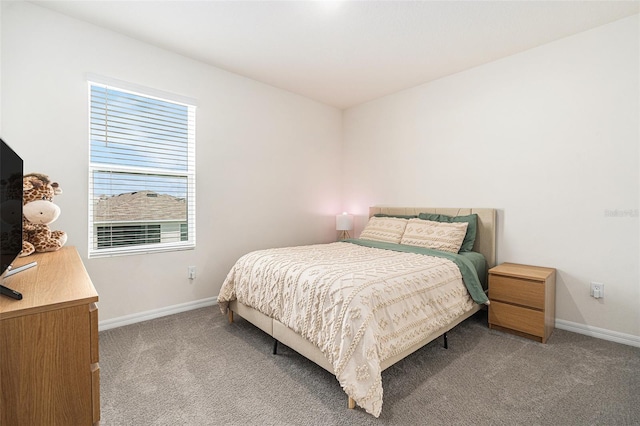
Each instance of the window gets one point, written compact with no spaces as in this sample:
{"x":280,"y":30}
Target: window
{"x":125,"y":235}
{"x":142,"y":170}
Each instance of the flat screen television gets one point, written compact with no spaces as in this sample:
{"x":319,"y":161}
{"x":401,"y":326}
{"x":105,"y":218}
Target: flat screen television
{"x":11,"y":171}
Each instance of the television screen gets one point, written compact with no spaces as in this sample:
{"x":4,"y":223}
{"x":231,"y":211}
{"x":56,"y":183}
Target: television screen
{"x":11,"y":171}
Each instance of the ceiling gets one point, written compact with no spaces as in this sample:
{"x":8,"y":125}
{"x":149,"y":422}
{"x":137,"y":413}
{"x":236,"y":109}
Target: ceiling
{"x":343,"y":53}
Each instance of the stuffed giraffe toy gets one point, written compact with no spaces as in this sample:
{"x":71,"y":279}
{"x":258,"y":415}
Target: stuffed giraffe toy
{"x":37,"y":213}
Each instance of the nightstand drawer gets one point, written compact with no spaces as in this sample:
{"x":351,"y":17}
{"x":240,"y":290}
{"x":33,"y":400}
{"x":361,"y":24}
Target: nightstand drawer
{"x":525,"y":320}
{"x":517,"y":290}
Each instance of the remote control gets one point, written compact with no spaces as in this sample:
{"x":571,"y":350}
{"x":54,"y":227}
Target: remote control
{"x":11,"y":293}
{"x":20,"y":268}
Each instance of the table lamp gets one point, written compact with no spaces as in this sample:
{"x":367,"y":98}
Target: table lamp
{"x":344,"y":224}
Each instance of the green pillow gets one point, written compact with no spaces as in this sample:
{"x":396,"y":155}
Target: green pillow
{"x":400,"y":216}
{"x":472,"y":220}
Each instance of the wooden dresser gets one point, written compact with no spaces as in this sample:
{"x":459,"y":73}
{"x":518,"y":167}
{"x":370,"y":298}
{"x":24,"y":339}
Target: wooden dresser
{"x":523,"y":300}
{"x":49,"y":371}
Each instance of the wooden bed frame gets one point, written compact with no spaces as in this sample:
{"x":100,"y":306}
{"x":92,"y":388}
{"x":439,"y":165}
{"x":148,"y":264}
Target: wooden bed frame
{"x":485,"y":243}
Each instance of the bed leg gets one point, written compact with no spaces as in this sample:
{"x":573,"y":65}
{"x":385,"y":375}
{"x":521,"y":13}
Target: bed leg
{"x":275,"y":347}
{"x":230,"y":314}
{"x":351,"y":403}
{"x":446,"y":342}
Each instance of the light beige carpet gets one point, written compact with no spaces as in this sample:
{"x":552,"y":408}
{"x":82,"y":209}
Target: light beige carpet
{"x":194,"y":368}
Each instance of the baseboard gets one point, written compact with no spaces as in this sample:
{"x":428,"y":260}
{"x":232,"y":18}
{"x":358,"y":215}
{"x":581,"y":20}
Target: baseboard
{"x":155,"y":313}
{"x":600,"y":333}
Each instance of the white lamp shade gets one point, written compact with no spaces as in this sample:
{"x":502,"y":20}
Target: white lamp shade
{"x":344,"y":222}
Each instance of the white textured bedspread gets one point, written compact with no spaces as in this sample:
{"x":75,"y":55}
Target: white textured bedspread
{"x":359,"y":305}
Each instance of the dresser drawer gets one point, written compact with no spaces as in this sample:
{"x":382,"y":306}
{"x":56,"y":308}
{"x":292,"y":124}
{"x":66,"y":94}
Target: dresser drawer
{"x":93,"y":324}
{"x":95,"y":393}
{"x":525,"y":320}
{"x":519,"y":291}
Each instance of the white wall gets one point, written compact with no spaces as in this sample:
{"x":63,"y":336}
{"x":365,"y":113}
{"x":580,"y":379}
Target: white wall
{"x":267,"y":169}
{"x":549,"y":136}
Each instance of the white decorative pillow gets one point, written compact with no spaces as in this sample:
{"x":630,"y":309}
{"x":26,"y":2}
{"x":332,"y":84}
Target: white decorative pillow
{"x":384,"y":229}
{"x":443,"y":236}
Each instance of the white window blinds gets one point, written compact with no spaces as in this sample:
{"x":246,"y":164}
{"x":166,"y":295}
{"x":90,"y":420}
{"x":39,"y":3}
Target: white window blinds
{"x":142,"y":172}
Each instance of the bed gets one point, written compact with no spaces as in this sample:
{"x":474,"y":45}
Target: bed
{"x":358,"y":306}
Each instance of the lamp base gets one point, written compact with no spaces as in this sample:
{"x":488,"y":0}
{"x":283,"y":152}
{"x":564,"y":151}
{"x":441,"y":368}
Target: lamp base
{"x":344,"y":235}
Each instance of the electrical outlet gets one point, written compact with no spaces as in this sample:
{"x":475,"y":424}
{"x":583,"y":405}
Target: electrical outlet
{"x":191,"y":273}
{"x":597,"y":290}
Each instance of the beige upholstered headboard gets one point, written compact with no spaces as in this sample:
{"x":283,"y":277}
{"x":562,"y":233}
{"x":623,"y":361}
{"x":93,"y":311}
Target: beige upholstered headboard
{"x":486,"y":234}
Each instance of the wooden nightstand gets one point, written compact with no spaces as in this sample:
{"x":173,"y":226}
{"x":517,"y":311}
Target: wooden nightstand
{"x":523,"y":300}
